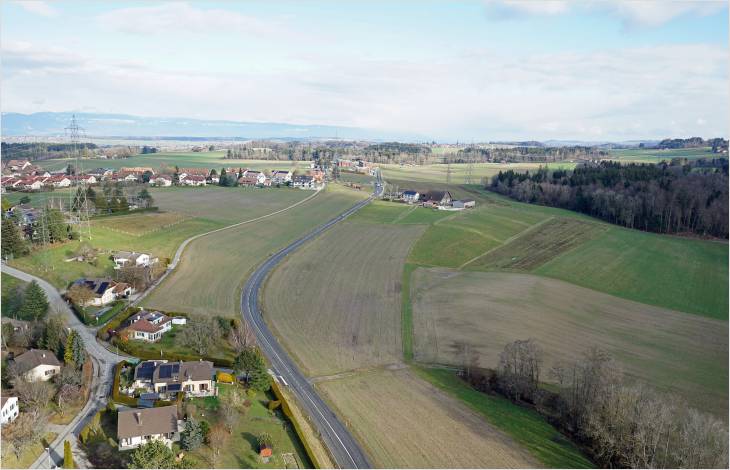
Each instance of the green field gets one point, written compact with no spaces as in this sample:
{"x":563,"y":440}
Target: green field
{"x":438,"y":172}
{"x":182,"y":159}
{"x":524,"y":425}
{"x":213,"y":269}
{"x":483,"y":311}
{"x":40,"y":199}
{"x":658,"y":155}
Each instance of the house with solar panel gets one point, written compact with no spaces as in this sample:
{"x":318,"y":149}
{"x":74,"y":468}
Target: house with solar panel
{"x":104,"y":290}
{"x":193,"y":378}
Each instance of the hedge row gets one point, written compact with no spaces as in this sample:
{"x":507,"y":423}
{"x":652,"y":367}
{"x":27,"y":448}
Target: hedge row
{"x":116,"y":395}
{"x":302,"y":437}
{"x":153,"y":355}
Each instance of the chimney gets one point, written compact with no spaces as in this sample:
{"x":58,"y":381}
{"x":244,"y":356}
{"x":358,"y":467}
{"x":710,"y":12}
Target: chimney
{"x":138,"y":415}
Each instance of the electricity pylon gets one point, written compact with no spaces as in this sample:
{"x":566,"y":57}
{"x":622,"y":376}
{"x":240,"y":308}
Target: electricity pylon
{"x":79,"y":203}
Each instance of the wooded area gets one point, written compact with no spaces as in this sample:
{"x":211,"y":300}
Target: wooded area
{"x":667,"y":198}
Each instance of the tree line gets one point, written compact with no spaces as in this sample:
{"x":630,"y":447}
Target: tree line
{"x":522,"y":154}
{"x":676,"y":197}
{"x":617,"y":423}
{"x":44,"y":151}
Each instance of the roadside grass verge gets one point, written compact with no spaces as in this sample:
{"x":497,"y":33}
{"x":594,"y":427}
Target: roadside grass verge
{"x":524,"y":425}
{"x":29,"y":455}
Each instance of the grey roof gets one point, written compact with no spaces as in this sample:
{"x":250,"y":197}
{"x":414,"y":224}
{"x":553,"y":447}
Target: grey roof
{"x":147,"y":421}
{"x":35,"y":357}
{"x":181,"y":371}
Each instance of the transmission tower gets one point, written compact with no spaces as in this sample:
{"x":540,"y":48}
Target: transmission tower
{"x":469,"y":171}
{"x":79,"y":205}
{"x":448,"y":169}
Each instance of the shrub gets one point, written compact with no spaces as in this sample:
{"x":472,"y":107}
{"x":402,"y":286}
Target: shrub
{"x":224,"y":377}
{"x":116,"y":396}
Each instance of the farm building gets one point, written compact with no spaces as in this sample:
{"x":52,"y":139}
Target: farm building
{"x":437,"y":198}
{"x":464,"y":203}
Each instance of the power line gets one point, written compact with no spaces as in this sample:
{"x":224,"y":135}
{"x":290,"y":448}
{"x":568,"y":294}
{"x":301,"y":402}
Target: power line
{"x":79,"y":203}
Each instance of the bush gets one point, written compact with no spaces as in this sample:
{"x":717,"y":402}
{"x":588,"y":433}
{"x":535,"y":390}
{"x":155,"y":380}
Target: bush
{"x":116,"y":396}
{"x":224,"y":377}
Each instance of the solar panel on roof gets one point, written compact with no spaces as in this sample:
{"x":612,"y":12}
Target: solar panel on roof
{"x":174,"y":387}
{"x":165,"y":371}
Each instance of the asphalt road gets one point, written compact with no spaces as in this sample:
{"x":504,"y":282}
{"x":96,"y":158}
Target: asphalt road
{"x":102,"y":359}
{"x":343,"y":447}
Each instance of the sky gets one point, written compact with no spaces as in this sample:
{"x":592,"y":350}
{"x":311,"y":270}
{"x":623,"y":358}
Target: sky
{"x":444,"y":70}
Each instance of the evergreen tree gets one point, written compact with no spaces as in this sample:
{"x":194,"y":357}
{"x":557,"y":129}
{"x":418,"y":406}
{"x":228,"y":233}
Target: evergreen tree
{"x":259,"y":379}
{"x":146,"y":197}
{"x":53,"y":335}
{"x":78,"y":350}
{"x":192,"y":437}
{"x":68,"y":354}
{"x":247,"y":361}
{"x":223,"y":181}
{"x":13,"y":244}
{"x":35,"y":303}
{"x":68,"y":460}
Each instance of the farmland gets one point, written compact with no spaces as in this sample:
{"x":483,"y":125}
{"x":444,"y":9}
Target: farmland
{"x":184,"y":212}
{"x":171,"y":159}
{"x":403,"y":421}
{"x":437,"y":172}
{"x":363,"y":282}
{"x":213,"y":269}
{"x":659,"y":155}
{"x":485,"y":311}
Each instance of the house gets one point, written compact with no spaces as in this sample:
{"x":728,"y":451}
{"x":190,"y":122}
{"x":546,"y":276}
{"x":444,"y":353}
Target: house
{"x":88,"y":179}
{"x":31,"y":183}
{"x":101,"y":173}
{"x":194,"y":171}
{"x":410,"y":196}
{"x":9,"y":408}
{"x":194,"y":378}
{"x":37,"y":364}
{"x":317,"y":175}
{"x":303,"y":182}
{"x":437,"y":198}
{"x":281,"y":176}
{"x":252,"y":178}
{"x":59,"y":181}
{"x":139,"y":426}
{"x":193,"y":180}
{"x":136,"y":170}
{"x":161,"y":180}
{"x":148,"y":326}
{"x":464,"y":203}
{"x":17,"y":165}
{"x":131,"y":258}
{"x":105,"y":290}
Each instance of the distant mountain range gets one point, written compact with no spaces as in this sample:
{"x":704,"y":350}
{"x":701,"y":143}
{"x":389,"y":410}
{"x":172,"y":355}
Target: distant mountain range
{"x":124,"y":125}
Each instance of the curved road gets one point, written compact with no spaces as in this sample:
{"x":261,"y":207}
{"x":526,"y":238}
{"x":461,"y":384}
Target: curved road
{"x":344,"y":448}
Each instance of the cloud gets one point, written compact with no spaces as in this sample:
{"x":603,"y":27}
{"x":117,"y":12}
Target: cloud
{"x":483,"y":95}
{"x":649,"y":13}
{"x":38,"y":7}
{"x":181,"y":16}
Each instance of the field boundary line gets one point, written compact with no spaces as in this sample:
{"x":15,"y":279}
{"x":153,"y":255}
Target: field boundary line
{"x":178,"y":254}
{"x":509,"y":240}
{"x":403,"y":215}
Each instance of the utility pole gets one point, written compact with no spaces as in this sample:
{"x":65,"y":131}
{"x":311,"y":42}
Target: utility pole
{"x":448,"y":169}
{"x":79,"y":202}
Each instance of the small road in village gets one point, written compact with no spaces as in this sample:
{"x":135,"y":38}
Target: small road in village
{"x":103,"y":360}
{"x":345,"y":450}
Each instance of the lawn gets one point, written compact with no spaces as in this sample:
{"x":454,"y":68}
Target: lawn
{"x":242,"y":448}
{"x":214,"y":268}
{"x":480,"y":312}
{"x":350,"y":280}
{"x":170,"y":346}
{"x":40,"y":199}
{"x":182,"y":159}
{"x":525,"y":426}
{"x":10,"y":299}
{"x":29,"y":455}
{"x":137,"y":225}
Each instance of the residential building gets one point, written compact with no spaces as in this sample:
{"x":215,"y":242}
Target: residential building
{"x":193,"y":180}
{"x":8,"y":408}
{"x":303,"y":182}
{"x":59,"y":181}
{"x":131,"y":258}
{"x":194,"y":378}
{"x":17,"y":165}
{"x":37,"y":364}
{"x":252,"y":178}
{"x":411,"y":196}
{"x":281,"y":176}
{"x":105,"y":290}
{"x":147,"y":326}
{"x":139,"y":426}
{"x":161,"y":180}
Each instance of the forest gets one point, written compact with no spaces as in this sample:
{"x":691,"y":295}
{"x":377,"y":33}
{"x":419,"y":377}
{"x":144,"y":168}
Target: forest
{"x":677,"y":197}
{"x":42,"y":151}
